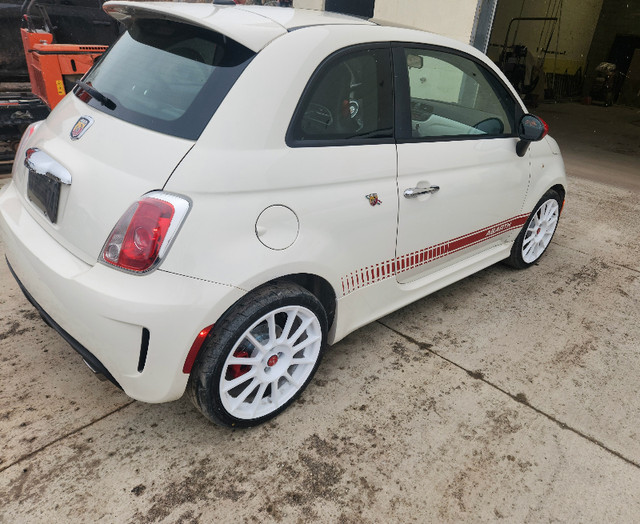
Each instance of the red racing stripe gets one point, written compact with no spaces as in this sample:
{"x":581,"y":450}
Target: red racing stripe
{"x":426,"y":255}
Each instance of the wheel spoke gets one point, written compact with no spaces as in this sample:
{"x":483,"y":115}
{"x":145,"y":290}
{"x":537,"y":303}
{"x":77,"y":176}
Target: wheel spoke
{"x":258,"y":398}
{"x":540,"y":249}
{"x":549,"y":211}
{"x":243,"y":361}
{"x":537,"y":218}
{"x":543,"y":212}
{"x":528,"y":249}
{"x":305,"y":343}
{"x":230,"y":384}
{"x":535,"y":250}
{"x":302,"y":361}
{"x":301,"y":329}
{"x":237,"y":401}
{"x":275,"y":393}
{"x":291,"y":380}
{"x":291,"y":318}
{"x":271,"y":322}
{"x":255,"y":343}
{"x":528,"y":240}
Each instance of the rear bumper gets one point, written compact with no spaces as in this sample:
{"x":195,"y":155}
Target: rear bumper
{"x":88,"y":357}
{"x":104,"y":313}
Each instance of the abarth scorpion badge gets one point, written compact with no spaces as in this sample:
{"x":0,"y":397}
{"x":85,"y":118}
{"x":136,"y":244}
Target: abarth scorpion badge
{"x":373,"y":199}
{"x":81,"y":126}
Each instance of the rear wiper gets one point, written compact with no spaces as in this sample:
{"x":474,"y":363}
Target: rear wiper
{"x":105,"y":101}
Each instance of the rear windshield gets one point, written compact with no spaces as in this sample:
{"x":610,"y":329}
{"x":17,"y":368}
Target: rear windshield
{"x":166,"y":76}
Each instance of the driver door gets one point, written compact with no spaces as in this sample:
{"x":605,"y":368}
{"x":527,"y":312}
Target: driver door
{"x":461,"y":185}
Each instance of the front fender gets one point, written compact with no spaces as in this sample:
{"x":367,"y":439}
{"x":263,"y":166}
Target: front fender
{"x":547,"y":171}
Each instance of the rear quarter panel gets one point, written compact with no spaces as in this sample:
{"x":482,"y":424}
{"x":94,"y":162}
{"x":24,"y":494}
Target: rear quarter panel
{"x":241,"y":164}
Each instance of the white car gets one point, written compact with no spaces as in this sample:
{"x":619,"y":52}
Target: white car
{"x":232,"y":188}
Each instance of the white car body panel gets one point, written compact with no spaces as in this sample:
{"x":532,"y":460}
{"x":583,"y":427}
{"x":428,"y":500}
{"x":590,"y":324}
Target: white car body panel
{"x":547,"y":170}
{"x":107,"y":177}
{"x":372,"y":302}
{"x":292,"y":19}
{"x":241,"y":166}
{"x":105,"y":309}
{"x":478,"y":206}
{"x":330,"y":221}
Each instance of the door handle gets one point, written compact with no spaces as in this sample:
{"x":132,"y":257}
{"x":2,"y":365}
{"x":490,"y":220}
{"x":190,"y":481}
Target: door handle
{"x":413,"y":192}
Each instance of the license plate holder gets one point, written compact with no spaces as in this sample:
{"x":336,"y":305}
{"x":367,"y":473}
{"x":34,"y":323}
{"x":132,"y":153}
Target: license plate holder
{"x":44,"y":191}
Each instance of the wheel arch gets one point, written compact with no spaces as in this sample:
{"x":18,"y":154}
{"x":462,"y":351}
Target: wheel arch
{"x":314,"y":284}
{"x":317,"y":286}
{"x":560,"y":189}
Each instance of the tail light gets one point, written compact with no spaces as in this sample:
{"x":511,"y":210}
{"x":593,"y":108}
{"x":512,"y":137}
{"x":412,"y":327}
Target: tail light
{"x":142,"y":237}
{"x":22,"y":146}
{"x":27,"y":134}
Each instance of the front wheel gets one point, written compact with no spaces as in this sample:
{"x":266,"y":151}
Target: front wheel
{"x":260,"y":356}
{"x":537,"y":233}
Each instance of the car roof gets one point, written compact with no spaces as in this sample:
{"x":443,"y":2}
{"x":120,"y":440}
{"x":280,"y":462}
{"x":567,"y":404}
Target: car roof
{"x":297,"y":18}
{"x":252,"y":26}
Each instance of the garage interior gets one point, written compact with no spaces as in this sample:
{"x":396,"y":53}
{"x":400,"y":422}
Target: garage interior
{"x":552,"y":50}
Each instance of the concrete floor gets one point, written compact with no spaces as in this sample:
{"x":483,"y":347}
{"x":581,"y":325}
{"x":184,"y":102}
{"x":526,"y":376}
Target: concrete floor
{"x":512,"y":395}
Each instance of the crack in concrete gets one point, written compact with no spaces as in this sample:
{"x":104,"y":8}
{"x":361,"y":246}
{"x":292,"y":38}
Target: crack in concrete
{"x":591,"y":254}
{"x":627,"y":267}
{"x":520,"y":398}
{"x":62,"y":437}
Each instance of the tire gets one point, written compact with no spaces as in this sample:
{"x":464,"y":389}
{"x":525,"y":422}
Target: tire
{"x":536,"y":235}
{"x":260,"y":356}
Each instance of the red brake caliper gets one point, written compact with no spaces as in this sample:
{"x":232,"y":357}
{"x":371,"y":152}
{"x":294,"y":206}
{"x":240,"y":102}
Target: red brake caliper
{"x":237,"y":370}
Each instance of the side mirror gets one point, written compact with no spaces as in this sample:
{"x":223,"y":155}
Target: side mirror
{"x":530,"y":129}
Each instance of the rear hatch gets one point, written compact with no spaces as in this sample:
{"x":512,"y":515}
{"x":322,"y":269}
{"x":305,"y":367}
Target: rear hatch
{"x":125,"y":128}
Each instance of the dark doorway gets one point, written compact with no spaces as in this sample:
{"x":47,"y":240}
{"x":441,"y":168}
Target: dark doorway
{"x":351,"y":7}
{"x":622,"y":50}
{"x":621,"y":54}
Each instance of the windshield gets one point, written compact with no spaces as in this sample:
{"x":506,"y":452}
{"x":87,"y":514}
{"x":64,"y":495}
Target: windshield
{"x":166,"y":76}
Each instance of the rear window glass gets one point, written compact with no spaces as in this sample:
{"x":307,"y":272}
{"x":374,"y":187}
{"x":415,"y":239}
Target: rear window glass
{"x":166,"y":76}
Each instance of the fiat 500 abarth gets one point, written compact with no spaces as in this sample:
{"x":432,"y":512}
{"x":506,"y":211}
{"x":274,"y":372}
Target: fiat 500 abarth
{"x":232,"y":188}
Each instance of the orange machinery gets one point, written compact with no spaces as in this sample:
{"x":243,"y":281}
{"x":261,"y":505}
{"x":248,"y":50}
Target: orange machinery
{"x":82,"y":32}
{"x":54,"y":68}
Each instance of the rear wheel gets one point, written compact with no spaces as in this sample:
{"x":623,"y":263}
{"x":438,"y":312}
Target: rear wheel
{"x":537,"y":233}
{"x":260,"y":356}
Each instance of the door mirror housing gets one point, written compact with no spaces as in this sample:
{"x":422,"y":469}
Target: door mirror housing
{"x":530,"y":129}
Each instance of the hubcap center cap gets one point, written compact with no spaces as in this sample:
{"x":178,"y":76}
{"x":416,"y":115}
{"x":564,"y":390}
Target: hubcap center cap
{"x":273,"y":360}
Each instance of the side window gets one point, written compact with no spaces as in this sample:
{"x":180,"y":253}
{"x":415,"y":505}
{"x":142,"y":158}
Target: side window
{"x":453,"y":96}
{"x":349,"y":98}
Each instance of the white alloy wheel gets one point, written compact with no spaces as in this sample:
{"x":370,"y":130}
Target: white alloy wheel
{"x":540,"y":230}
{"x":259,"y":356}
{"x":270,"y":362}
{"x":535,"y":236}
